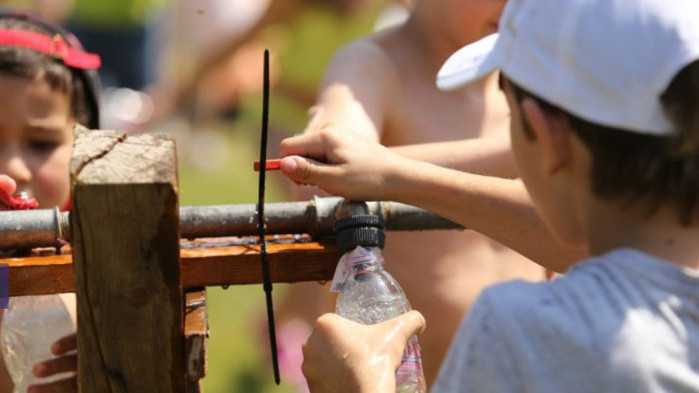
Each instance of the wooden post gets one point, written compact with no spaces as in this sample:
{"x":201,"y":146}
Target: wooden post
{"x":125,"y":228}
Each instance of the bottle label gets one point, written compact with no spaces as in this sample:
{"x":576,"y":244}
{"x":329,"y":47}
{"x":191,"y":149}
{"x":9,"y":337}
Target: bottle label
{"x":341,"y":273}
{"x":411,"y":363}
{"x":344,"y":267}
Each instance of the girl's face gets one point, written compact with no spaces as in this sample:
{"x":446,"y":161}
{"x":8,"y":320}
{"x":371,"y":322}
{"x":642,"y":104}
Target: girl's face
{"x":36,"y":138}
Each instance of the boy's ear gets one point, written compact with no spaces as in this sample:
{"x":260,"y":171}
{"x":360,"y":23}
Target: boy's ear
{"x":551,"y":132}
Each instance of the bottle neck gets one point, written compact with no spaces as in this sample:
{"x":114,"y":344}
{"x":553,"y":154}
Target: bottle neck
{"x":364,"y":260}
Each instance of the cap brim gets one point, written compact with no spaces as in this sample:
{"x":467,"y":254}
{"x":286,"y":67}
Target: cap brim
{"x":470,"y":63}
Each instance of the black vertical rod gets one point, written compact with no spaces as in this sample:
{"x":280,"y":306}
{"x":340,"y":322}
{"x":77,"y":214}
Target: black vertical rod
{"x":267,"y":286}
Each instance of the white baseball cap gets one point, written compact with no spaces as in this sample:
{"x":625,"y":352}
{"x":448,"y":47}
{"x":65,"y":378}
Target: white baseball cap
{"x":605,"y":61}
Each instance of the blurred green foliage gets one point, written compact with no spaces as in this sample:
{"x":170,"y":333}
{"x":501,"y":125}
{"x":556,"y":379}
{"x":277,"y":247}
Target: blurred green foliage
{"x":237,"y":350}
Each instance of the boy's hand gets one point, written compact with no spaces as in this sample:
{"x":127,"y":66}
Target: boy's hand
{"x":341,"y":163}
{"x":344,"y":356}
{"x":67,"y":361}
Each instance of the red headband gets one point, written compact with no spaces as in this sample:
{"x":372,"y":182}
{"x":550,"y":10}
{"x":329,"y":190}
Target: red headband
{"x":55,"y":47}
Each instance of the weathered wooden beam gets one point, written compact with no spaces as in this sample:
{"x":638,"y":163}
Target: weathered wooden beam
{"x":241,"y":265}
{"x":42,"y":275}
{"x":125,"y":243}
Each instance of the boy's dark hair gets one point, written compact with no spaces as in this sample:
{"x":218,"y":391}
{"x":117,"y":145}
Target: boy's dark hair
{"x":27,"y":63}
{"x":629,"y":166}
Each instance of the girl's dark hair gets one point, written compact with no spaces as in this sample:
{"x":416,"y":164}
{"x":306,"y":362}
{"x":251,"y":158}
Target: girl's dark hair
{"x":26,"y":63}
{"x":631,"y":167}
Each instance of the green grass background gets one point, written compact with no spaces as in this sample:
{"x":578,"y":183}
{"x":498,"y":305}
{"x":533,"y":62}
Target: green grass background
{"x":237,"y":360}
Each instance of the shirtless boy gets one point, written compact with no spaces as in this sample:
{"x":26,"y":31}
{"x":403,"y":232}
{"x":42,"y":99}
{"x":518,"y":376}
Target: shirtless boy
{"x":383,"y":86}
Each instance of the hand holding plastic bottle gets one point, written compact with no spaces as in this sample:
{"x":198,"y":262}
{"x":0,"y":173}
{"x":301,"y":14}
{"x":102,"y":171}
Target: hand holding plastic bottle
{"x":64,"y":348}
{"x":66,"y":361}
{"x":345,"y":356}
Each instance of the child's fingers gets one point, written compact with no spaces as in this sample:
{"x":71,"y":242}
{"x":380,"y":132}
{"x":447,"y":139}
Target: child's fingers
{"x":65,"y":344}
{"x":7,"y":188}
{"x":308,"y":171}
{"x":400,"y":330}
{"x":315,"y":145}
{"x":56,"y":366}
{"x":306,"y":145}
{"x":68,"y":385}
{"x":408,"y":325}
{"x":7,"y":185}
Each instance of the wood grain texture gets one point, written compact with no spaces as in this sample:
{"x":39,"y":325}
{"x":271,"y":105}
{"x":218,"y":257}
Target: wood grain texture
{"x":40,"y":275}
{"x":241,"y":265}
{"x":126,"y":261}
{"x":236,"y":265}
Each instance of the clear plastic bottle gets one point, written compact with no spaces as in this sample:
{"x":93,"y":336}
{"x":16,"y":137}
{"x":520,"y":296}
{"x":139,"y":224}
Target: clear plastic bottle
{"x":29,"y":326}
{"x":368,"y":294}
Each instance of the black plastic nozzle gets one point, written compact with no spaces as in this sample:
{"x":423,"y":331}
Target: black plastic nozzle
{"x":360,"y":230}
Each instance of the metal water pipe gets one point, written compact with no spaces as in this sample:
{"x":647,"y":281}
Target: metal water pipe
{"x":50,"y":227}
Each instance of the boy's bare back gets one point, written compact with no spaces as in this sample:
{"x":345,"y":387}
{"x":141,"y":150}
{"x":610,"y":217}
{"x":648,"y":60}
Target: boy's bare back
{"x":384,"y":85}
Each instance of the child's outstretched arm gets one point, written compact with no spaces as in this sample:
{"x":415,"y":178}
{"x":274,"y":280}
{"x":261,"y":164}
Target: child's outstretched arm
{"x":353,"y":167}
{"x":489,"y":156}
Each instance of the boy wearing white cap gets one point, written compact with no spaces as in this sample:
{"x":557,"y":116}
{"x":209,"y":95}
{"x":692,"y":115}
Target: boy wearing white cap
{"x":605,"y":132}
{"x":382,"y":87}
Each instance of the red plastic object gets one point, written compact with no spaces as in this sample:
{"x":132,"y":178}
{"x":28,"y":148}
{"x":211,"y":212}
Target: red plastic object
{"x":17,"y":203}
{"x":270,"y":165}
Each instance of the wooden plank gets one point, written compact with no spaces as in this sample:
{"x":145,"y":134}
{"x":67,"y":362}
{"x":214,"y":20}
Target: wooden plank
{"x":42,"y":275}
{"x":196,"y":333}
{"x":241,"y":265}
{"x":125,"y":228}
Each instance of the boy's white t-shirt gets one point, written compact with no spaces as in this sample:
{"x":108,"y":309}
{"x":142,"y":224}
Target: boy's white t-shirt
{"x":622,"y":322}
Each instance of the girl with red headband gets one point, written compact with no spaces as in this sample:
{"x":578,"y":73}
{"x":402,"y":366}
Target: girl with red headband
{"x":48,"y":84}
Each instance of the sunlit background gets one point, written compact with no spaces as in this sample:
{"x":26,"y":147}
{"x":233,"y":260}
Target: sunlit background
{"x":193,"y":68}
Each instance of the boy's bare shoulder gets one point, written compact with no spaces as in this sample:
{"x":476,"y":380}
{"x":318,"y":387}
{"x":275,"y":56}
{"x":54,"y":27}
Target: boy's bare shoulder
{"x":367,"y":59}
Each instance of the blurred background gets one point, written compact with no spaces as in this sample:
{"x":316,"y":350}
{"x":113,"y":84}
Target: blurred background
{"x":193,"y":68}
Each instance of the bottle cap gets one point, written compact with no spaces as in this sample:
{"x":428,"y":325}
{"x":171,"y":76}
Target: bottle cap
{"x":360,"y":230}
